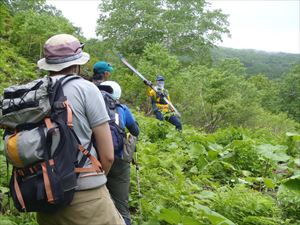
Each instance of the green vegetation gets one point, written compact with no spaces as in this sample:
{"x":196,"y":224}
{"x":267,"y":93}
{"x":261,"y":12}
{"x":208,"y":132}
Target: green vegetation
{"x":13,"y":67}
{"x":238,"y":158}
{"x":186,"y":27}
{"x":272,"y":64}
{"x":228,"y":176}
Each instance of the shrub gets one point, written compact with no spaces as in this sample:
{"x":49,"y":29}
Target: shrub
{"x":221,"y":171}
{"x":238,"y":203}
{"x":259,"y":220}
{"x":289,"y":202}
{"x":246,"y":157}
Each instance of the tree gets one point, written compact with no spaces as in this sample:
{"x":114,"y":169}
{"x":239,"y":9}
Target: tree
{"x":216,"y":97}
{"x":21,"y":5}
{"x":272,"y":65}
{"x":232,"y":66}
{"x":5,"y":20}
{"x":290,"y":93}
{"x":268,"y":92}
{"x":28,"y":24}
{"x":187,"y":28}
{"x":31,"y":29}
{"x":13,"y":67}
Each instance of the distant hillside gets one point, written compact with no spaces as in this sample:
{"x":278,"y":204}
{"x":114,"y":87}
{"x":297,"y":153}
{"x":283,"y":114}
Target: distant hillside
{"x":271,"y":64}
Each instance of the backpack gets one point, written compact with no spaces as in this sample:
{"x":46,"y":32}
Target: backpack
{"x":117,"y":132}
{"x":121,"y":140}
{"x":159,"y":96}
{"x":129,"y":147}
{"x":41,"y":145}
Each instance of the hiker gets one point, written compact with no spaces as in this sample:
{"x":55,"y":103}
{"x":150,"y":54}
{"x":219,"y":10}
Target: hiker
{"x":118,"y":178}
{"x":160,"y":108}
{"x":101,"y":72}
{"x":91,"y":203}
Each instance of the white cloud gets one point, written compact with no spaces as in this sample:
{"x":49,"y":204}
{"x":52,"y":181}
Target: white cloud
{"x":82,"y":13}
{"x":267,"y":41}
{"x":263,"y":25}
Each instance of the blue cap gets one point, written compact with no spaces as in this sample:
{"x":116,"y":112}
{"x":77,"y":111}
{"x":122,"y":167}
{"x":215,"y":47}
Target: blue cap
{"x":160,"y":78}
{"x":102,"y":66}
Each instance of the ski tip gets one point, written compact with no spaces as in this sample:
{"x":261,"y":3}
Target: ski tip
{"x":118,"y":53}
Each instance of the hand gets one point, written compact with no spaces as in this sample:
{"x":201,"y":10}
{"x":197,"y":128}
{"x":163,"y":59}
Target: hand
{"x":147,"y":82}
{"x":160,"y":94}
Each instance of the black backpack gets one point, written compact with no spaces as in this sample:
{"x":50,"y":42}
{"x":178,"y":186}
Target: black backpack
{"x":117,"y":132}
{"x":42,"y":146}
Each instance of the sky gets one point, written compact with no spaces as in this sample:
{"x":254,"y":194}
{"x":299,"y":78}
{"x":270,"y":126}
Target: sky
{"x":267,"y":25}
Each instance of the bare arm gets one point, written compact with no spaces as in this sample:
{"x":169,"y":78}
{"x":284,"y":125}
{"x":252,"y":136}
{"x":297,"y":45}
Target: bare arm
{"x":104,"y":145}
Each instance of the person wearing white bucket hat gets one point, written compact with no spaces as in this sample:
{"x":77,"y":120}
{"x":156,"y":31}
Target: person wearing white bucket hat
{"x":92,"y":203}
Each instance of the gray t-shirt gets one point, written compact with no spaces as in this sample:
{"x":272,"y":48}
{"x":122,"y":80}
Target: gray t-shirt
{"x":89,"y":111}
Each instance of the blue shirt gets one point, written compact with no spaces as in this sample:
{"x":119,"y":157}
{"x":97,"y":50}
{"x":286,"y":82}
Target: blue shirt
{"x":126,"y":117}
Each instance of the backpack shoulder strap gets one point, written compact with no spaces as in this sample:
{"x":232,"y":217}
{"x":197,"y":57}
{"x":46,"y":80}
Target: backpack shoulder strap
{"x":67,"y":78}
{"x":55,"y":89}
{"x":117,"y":122}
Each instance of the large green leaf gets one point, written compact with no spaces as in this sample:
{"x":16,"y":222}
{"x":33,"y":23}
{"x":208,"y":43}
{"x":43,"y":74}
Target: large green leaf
{"x":201,"y":162}
{"x":5,"y":220}
{"x":295,"y":136}
{"x":215,"y":147}
{"x":4,"y":190}
{"x":274,"y":152}
{"x":269,"y":183}
{"x":214,"y":217}
{"x":172,"y":216}
{"x":1,"y":146}
{"x":292,"y":183}
{"x":212,"y":155}
{"x":197,"y":150}
{"x":297,"y":162}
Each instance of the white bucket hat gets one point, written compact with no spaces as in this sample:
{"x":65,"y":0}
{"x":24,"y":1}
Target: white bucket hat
{"x":62,"y":51}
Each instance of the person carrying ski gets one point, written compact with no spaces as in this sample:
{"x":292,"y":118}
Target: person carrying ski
{"x":160,"y":107}
{"x":118,"y":178}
